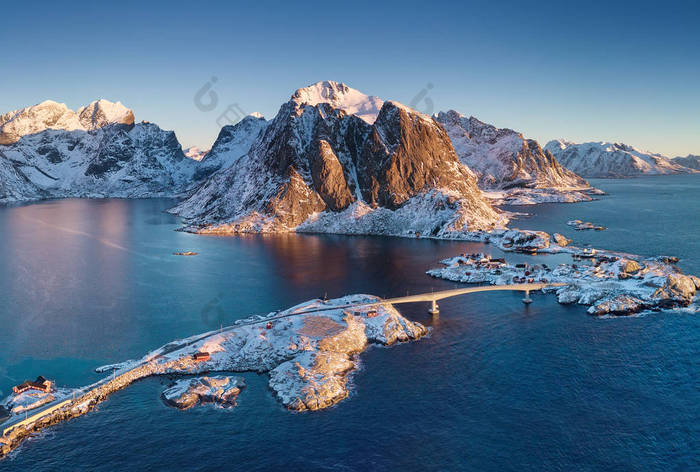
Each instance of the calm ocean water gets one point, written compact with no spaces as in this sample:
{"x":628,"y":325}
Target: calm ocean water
{"x":497,"y":386}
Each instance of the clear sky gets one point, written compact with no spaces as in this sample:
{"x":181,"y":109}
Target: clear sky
{"x":585,"y":71}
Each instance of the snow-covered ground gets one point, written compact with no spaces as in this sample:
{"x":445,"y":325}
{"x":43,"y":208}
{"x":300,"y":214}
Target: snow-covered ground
{"x":535,"y":196}
{"x":32,"y":399}
{"x":308,"y":350}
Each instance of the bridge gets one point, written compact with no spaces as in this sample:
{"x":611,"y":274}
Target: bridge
{"x":433,"y":297}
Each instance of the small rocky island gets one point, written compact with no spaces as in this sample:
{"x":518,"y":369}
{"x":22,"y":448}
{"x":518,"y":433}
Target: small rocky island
{"x":609,"y":283}
{"x":580,"y":225}
{"x":218,"y":390}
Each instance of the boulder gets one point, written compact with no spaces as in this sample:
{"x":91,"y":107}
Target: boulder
{"x":187,"y":393}
{"x":682,"y":286}
{"x":619,"y":306}
{"x":696,"y":281}
{"x":561,"y":240}
{"x":629,"y":266}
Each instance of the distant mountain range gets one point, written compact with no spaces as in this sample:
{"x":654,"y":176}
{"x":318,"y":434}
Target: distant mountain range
{"x":51,"y":151}
{"x":332,"y":160}
{"x":603,"y":159}
{"x":690,"y":161}
{"x":503,"y":160}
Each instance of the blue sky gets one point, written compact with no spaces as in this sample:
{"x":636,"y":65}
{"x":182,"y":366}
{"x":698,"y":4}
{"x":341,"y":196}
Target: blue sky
{"x":619,"y":71}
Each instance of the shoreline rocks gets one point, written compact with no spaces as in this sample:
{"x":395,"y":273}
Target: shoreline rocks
{"x":609,"y":284}
{"x":219,"y":390}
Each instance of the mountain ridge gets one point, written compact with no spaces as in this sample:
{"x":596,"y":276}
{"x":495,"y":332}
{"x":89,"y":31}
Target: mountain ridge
{"x":316,"y":162}
{"x":604,"y":159}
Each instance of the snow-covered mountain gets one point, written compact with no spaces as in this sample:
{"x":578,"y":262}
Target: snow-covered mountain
{"x":194,"y":153}
{"x":57,"y":116}
{"x":690,"y":161}
{"x":51,"y":151}
{"x":341,"y":97}
{"x":331,"y":162}
{"x":233,"y":142}
{"x":503,"y":160}
{"x":604,"y":159}
{"x":102,"y":113}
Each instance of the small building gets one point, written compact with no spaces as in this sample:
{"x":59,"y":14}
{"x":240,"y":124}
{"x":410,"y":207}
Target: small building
{"x":372,"y":314}
{"x":201,"y":356}
{"x":40,"y":384}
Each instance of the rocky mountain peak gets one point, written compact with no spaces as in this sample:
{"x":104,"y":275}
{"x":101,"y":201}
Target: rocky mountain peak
{"x":502,"y":158}
{"x":319,"y":162}
{"x":340,"y":96}
{"x":195,"y":153}
{"x":690,"y":161}
{"x":30,"y":120}
{"x":102,"y":113}
{"x":57,"y":116}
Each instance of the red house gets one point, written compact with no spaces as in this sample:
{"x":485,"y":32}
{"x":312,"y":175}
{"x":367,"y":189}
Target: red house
{"x":201,"y":356}
{"x":40,"y":384}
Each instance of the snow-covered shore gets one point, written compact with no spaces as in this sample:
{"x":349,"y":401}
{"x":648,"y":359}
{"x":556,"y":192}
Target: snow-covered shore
{"x":309,"y":352}
{"x":609,"y":283}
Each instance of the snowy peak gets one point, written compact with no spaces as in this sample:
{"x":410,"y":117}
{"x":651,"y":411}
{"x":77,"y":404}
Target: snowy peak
{"x":53,"y":115}
{"x":340,"y":96}
{"x":195,"y":153}
{"x":503,"y":158}
{"x":36,"y":118}
{"x":605,"y":159}
{"x":102,"y":113}
{"x":233,"y":142}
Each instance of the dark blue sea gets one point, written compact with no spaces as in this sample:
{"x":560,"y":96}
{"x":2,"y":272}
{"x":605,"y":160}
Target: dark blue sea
{"x":497,"y":386}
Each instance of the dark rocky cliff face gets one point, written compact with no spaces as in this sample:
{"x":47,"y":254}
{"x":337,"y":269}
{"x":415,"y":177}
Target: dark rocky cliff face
{"x":328,"y":176}
{"x":313,"y":159}
{"x":405,"y":154}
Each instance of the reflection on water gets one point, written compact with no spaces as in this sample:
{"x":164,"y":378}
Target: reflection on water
{"x":96,"y":279}
{"x":496,"y":384}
